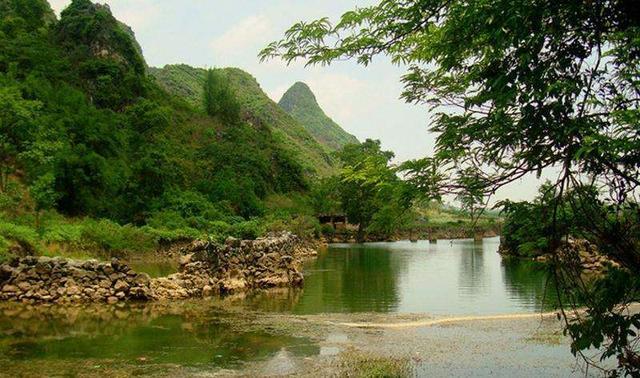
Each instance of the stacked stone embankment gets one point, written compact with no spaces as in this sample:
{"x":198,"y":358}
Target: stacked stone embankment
{"x":206,"y":269}
{"x":45,"y":279}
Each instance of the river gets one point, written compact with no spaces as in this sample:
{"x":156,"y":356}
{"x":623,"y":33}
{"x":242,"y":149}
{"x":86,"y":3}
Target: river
{"x":295,"y":328}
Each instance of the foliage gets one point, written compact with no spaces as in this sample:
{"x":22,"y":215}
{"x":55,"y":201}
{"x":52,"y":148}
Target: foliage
{"x":517,"y":87}
{"x":257,"y":109}
{"x":325,"y":197}
{"x":248,"y":230}
{"x":86,"y":132}
{"x":527,"y":225}
{"x":367,"y":190}
{"x":219,"y":100}
{"x":25,"y":237}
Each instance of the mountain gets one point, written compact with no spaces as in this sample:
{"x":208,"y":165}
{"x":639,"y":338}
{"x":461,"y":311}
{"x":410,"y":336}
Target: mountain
{"x":187,"y":82}
{"x":300,"y":102}
{"x":89,"y":133}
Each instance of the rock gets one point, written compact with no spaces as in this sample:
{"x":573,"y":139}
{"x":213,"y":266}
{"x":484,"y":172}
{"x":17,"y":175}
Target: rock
{"x":120,"y":286}
{"x":115,"y":264}
{"x":232,"y":242}
{"x":239,"y":265}
{"x":90,"y":265}
{"x":10,"y":289}
{"x":142,"y":279}
{"x":107,"y":270}
{"x":24,"y":286}
{"x":6,"y":271}
{"x":72,"y":290}
{"x":207,"y":291}
{"x":30,"y":260}
{"x":186,"y":259}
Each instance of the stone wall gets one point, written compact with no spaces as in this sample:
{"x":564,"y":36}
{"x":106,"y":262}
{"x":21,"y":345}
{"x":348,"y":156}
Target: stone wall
{"x":206,"y":269}
{"x":45,"y":279}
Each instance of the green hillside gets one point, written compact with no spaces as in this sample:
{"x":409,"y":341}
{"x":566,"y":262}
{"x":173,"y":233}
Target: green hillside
{"x":300,"y":102}
{"x":86,"y":133}
{"x":258,"y":109}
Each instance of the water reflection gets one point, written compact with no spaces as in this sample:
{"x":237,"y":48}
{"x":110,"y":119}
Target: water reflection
{"x":187,"y":333}
{"x":472,"y":277}
{"x":523,"y":280}
{"x":449,"y":277}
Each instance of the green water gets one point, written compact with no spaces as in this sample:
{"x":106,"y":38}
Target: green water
{"x":450,"y":277}
{"x":190,"y":334}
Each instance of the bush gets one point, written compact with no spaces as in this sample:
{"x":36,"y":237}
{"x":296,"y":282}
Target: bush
{"x":327,"y":230}
{"x":305,"y":226}
{"x":165,"y":236}
{"x":26,"y":237}
{"x":115,"y":239}
{"x":248,"y":230}
{"x":63,"y":233}
{"x":219,"y":228}
{"x":168,"y":219}
{"x":4,"y":249}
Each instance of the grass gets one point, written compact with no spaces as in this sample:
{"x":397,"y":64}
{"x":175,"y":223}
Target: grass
{"x":82,"y":238}
{"x":357,"y":364}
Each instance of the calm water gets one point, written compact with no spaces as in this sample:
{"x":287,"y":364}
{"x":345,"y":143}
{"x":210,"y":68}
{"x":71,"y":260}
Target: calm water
{"x":102,"y":338}
{"x":449,"y":277}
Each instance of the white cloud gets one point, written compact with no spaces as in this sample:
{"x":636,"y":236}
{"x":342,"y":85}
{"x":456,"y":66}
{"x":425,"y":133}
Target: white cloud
{"x":246,"y":35}
{"x":135,"y":13}
{"x":341,"y":95}
{"x":138,"y":14}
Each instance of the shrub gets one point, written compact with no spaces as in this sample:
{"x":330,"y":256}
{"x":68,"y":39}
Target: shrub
{"x":26,"y":237}
{"x":167,"y":219}
{"x":219,"y":228}
{"x":167,"y":236}
{"x":327,"y":230}
{"x":305,"y":226}
{"x":63,"y":233}
{"x":246,"y":230}
{"x":4,"y":249}
{"x":115,"y":239}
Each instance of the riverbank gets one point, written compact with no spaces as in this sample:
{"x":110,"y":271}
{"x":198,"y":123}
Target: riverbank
{"x":221,"y":338}
{"x":206,"y":269}
{"x":433,"y":234}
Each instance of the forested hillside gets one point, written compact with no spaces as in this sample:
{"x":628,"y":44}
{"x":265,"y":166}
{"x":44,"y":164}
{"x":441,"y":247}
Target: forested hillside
{"x":85,"y":132}
{"x":258,"y":109}
{"x":300,"y":102}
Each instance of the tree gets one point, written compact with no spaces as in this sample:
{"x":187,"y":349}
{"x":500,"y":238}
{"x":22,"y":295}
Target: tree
{"x":219,"y":99}
{"x":16,"y":129}
{"x":369,"y":189}
{"x":516,"y":87}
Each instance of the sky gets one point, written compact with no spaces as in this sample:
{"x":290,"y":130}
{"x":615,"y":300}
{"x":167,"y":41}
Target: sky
{"x":224,"y":33}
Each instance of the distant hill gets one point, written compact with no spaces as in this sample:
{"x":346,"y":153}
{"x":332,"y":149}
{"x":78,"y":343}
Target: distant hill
{"x":88,"y":132}
{"x":300,"y":102}
{"x":187,"y":82}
